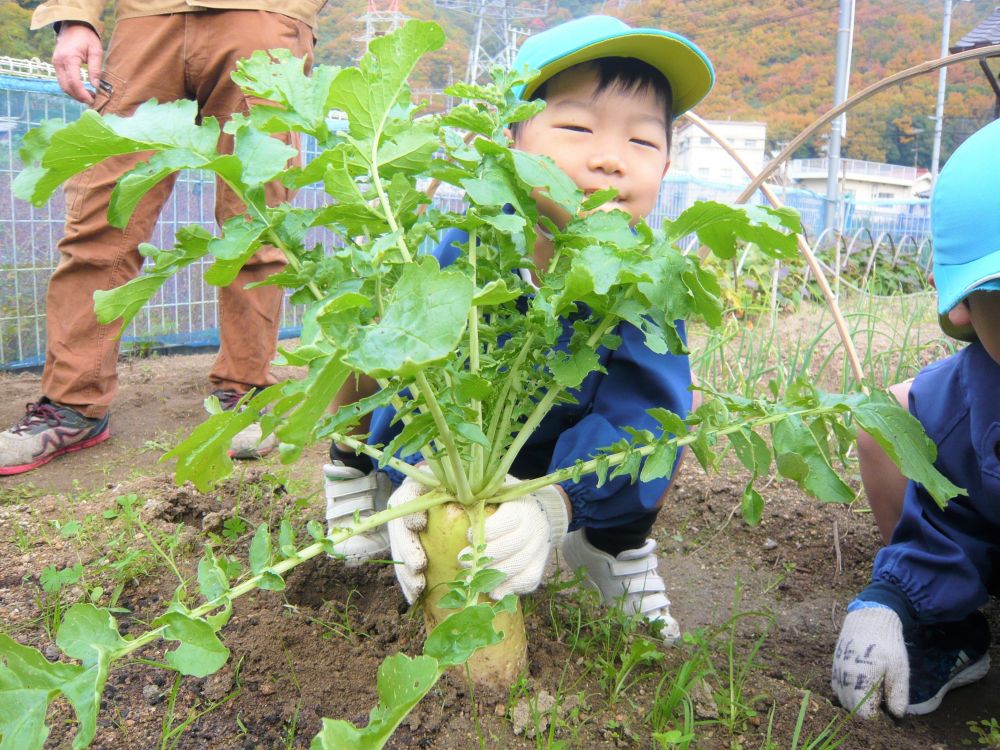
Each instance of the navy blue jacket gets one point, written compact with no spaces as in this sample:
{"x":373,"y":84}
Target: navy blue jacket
{"x":940,"y":566}
{"x":637,"y":379}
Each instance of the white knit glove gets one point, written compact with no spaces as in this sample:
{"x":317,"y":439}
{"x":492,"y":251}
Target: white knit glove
{"x":405,"y":542}
{"x":871,"y":650}
{"x":519,"y":537}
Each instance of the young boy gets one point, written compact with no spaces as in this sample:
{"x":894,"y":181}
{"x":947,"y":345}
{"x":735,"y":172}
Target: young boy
{"x":916,"y":631}
{"x":611,"y":94}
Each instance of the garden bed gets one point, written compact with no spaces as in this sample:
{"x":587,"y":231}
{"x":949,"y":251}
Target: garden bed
{"x":312,"y":650}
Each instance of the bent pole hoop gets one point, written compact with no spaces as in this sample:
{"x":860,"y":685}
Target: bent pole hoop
{"x":757,"y":181}
{"x":979,"y":53}
{"x":814,"y":265}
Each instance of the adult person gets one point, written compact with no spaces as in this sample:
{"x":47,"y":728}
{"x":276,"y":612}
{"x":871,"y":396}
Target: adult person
{"x":164,"y":50}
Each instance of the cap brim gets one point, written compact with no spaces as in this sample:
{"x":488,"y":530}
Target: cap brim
{"x":966,"y":332}
{"x":956,"y":282}
{"x":690,"y":74}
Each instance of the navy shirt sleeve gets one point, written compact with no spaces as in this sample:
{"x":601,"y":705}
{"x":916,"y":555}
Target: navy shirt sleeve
{"x":637,"y":379}
{"x":943,"y":563}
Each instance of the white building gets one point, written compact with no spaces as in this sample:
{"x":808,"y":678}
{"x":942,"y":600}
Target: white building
{"x":861,"y":180}
{"x":697,"y":154}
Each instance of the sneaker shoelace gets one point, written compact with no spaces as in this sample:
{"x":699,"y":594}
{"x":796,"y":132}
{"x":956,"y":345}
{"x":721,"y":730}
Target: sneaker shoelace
{"x":37,"y":413}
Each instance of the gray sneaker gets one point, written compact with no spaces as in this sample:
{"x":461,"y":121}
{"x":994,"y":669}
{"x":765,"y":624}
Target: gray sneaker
{"x":348,"y":492}
{"x":629,"y":581}
{"x":47,"y":431}
{"x":247,"y":445}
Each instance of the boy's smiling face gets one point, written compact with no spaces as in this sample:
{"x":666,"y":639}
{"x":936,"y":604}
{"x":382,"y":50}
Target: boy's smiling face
{"x":612,"y":138}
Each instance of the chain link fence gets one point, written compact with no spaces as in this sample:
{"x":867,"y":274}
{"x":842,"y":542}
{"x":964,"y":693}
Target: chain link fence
{"x":183,"y":314}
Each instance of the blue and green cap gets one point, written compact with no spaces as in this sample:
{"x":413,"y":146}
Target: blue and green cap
{"x":686,"y":67}
{"x":965,"y":224}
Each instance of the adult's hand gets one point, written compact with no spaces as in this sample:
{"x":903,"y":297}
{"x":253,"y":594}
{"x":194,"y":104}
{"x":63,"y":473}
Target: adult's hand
{"x":77,"y":43}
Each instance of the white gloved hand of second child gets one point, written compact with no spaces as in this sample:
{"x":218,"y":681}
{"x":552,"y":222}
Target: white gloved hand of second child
{"x":519,"y":536}
{"x":870,"y":651}
{"x":404,"y":540}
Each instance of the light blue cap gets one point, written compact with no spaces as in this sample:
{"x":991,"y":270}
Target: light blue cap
{"x":965,"y":223}
{"x":686,"y":67}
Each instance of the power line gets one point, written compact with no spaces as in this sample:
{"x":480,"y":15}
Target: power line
{"x":746,"y":26}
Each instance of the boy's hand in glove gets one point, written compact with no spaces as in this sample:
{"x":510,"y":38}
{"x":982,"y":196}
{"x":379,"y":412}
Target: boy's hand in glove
{"x":871,"y":650}
{"x":519,"y":536}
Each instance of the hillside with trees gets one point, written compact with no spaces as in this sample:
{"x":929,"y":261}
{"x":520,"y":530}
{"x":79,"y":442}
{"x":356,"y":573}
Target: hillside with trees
{"x":774,"y":60}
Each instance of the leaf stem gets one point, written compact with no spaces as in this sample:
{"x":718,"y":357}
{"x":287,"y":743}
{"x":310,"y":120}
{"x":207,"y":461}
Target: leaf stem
{"x":478,"y":459}
{"x":446,"y":436}
{"x":427,"y":480}
{"x":614,"y":459}
{"x":418,"y":504}
{"x":540,"y":411}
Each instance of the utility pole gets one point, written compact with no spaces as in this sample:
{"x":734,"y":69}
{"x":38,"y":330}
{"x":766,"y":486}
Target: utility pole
{"x":845,"y":32}
{"x":942,"y":84}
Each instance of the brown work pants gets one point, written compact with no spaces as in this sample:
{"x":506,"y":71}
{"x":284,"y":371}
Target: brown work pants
{"x":165,"y":57}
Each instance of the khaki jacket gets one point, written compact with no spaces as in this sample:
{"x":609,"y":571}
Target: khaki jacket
{"x":90,"y":11}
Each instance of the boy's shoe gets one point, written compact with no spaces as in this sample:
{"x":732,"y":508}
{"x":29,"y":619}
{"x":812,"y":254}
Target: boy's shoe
{"x":349,"y":491}
{"x":946,"y":656}
{"x":247,"y":444}
{"x":629,"y":581}
{"x":47,"y":431}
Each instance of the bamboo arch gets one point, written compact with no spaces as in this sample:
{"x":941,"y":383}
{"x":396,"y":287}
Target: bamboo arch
{"x":757,"y":180}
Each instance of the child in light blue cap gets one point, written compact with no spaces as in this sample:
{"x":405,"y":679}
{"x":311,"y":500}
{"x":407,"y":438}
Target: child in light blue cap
{"x":612,"y":93}
{"x":916,"y":631}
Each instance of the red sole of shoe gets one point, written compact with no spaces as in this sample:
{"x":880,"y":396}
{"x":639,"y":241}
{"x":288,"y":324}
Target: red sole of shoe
{"x":88,"y":443}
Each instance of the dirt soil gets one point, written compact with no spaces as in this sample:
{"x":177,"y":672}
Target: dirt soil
{"x":313,"y":650}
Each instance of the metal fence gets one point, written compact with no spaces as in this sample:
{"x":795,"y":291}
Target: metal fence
{"x":183,"y":314}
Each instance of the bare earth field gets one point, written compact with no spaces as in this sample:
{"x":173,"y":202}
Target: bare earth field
{"x":312,"y":650}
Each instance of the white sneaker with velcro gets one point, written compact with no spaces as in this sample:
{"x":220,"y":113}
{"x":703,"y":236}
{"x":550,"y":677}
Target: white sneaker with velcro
{"x":629,"y":581}
{"x":349,"y":491}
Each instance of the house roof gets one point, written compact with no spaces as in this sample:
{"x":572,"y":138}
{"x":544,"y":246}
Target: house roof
{"x":985,"y":34}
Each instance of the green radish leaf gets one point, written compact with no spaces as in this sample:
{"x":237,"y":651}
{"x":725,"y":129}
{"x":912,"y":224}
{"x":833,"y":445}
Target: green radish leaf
{"x":29,"y":683}
{"x":286,"y":538}
{"x":570,"y":369}
{"x":271,"y":581}
{"x":200,"y":652}
{"x":903,"y":439}
{"x":752,"y":451}
{"x":261,"y":156}
{"x":261,"y":555}
{"x":598,"y":198}
{"x":659,"y":463}
{"x":203,"y":458}
{"x":127,"y":300}
{"x":537,"y":171}
{"x":369,"y":92}
{"x":422,"y":325}
{"x":301,"y":101}
{"x":401,"y":683}
{"x":212,"y":579}
{"x":87,"y":632}
{"x":723,"y":228}
{"x":461,"y":634}
{"x":799,"y":457}
{"x":752,"y":505}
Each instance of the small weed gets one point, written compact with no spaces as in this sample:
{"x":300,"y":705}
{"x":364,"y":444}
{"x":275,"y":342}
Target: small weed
{"x":53,"y":584}
{"x":173,"y":727}
{"x":830,"y":737}
{"x":16,"y":494}
{"x":987,"y":732}
{"x":336,"y":620}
